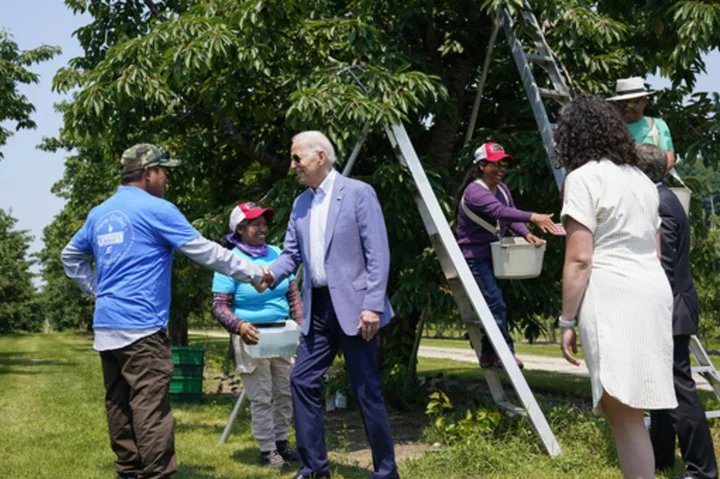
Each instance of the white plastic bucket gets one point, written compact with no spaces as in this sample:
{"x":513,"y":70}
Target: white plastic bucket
{"x":275,"y":339}
{"x":683,"y":194}
{"x":515,"y":258}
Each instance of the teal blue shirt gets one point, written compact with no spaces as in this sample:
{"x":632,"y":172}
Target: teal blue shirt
{"x":642,"y":133}
{"x":251,"y":306}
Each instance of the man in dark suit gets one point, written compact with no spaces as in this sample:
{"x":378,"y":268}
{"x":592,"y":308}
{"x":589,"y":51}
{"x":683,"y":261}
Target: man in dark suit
{"x":688,"y":419}
{"x":338,"y":232}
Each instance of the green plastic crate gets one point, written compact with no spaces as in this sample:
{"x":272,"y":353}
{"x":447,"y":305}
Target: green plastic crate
{"x":188,"y":355}
{"x":188,"y":371}
{"x":187,"y":378}
{"x":186,"y":385}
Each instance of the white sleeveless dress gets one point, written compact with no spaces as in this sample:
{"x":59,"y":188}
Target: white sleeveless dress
{"x":625,"y":318}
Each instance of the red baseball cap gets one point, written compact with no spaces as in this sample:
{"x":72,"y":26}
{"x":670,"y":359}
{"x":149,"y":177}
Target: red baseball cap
{"x":491,"y":152}
{"x":248,"y":211}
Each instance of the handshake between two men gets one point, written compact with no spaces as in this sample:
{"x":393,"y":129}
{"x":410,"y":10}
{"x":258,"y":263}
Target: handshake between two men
{"x":268,"y":280}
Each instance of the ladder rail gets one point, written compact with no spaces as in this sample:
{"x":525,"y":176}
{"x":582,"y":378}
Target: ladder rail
{"x":706,"y":367}
{"x":456,"y":268}
{"x":481,"y":85}
{"x":533,"y":92}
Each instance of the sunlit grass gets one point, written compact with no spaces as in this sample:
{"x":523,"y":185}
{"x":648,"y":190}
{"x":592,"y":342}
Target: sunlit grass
{"x":53,"y":423}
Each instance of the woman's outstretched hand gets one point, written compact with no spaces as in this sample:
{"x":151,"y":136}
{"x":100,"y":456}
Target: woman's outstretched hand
{"x":544,"y":222}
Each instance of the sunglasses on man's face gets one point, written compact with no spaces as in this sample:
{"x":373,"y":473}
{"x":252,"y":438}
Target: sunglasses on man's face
{"x":298,"y":159}
{"x":630,"y":105}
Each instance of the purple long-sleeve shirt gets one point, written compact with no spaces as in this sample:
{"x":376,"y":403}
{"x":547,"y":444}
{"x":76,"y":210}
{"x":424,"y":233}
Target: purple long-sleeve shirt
{"x":474,"y":240}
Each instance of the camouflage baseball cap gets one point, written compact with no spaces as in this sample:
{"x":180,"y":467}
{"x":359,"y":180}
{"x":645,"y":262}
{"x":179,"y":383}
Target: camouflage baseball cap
{"x":144,"y":154}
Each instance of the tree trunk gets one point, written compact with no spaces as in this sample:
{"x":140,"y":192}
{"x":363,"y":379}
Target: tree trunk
{"x":395,"y":346}
{"x":178,"y":329}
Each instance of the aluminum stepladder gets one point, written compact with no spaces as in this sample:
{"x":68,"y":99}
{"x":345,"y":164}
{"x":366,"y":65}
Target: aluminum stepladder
{"x":467,"y":295}
{"x":706,"y":369}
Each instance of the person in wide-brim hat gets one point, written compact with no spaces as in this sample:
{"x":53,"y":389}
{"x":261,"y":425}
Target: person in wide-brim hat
{"x":631,"y":97}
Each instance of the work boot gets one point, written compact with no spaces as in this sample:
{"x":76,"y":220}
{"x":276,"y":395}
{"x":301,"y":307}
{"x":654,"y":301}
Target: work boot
{"x":286,"y":450}
{"x":273,"y":459}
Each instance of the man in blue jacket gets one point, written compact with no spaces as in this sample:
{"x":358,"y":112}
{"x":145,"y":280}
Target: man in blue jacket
{"x":131,"y":237}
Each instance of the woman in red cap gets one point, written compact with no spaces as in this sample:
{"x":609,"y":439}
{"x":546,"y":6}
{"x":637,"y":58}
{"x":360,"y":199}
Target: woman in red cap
{"x":266,"y":380}
{"x":485,"y":209}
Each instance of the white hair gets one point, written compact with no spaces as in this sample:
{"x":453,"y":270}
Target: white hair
{"x":317,"y":141}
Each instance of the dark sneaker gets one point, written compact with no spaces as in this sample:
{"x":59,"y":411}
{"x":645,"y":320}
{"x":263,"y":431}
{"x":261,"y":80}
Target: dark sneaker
{"x":286,"y":450}
{"x":273,"y":459}
{"x":489,"y":360}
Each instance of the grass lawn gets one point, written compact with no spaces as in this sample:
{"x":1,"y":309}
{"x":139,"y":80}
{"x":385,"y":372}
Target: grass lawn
{"x":51,"y":409}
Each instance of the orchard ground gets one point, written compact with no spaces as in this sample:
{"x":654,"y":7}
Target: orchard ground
{"x":51,"y":409}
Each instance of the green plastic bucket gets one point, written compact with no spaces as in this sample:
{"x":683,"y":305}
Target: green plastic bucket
{"x":187,"y":378}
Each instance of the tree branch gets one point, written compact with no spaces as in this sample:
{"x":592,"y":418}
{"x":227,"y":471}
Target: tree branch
{"x":155,"y":10}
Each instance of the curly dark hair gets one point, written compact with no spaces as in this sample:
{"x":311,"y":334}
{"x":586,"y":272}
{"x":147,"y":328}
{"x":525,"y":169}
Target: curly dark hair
{"x":591,"y":129}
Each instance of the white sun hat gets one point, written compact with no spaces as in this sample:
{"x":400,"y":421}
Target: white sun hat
{"x":628,"y":88}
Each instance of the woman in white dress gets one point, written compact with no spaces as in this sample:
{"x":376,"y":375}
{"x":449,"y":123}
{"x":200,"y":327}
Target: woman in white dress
{"x":613,"y":282}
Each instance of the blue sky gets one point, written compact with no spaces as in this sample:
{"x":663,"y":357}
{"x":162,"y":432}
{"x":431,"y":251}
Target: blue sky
{"x":27,"y":174}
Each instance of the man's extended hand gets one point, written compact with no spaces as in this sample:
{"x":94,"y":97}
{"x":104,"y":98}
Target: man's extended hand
{"x":267,"y":281}
{"x":369,"y":324}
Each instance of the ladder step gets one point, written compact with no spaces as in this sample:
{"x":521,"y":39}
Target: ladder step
{"x":511,"y":409}
{"x":703,"y":369}
{"x":557,"y":95}
{"x":539,"y":58}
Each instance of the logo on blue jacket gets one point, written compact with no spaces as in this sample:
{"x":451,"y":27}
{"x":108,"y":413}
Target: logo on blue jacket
{"x":114,"y":237}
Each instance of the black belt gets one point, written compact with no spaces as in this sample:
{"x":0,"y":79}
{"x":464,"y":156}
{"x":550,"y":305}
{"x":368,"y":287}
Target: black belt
{"x":320,"y":289}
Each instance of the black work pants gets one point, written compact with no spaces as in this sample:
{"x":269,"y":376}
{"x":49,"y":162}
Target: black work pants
{"x":137,"y":402}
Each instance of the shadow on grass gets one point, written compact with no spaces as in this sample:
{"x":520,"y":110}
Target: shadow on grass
{"x":197,"y":471}
{"x":251,"y":456}
{"x":16,"y":363}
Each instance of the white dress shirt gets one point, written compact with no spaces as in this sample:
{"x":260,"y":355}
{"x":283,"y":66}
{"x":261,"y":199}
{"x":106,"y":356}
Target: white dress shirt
{"x":318,"y":225}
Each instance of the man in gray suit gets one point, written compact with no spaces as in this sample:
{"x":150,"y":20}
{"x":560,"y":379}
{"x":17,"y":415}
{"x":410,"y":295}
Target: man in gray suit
{"x":688,"y":419}
{"x":337,"y":231}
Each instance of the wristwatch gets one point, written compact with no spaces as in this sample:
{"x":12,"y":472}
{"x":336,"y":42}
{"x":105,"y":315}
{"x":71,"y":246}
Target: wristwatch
{"x":565,"y":324}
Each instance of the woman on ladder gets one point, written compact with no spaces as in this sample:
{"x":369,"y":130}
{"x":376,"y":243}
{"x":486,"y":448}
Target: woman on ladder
{"x":236,"y":308}
{"x":485,"y":209}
